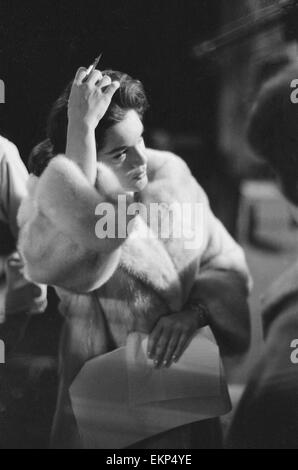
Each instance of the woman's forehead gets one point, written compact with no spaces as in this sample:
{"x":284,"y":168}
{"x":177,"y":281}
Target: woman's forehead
{"x":126,"y":133}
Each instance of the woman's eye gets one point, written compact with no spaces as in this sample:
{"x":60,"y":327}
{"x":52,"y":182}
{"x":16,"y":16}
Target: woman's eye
{"x":120,"y":158}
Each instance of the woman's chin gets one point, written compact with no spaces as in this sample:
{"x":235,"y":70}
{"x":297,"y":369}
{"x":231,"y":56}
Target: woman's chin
{"x":140,"y":184}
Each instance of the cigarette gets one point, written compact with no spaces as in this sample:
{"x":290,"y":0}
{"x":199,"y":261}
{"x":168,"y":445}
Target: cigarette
{"x":92,"y":67}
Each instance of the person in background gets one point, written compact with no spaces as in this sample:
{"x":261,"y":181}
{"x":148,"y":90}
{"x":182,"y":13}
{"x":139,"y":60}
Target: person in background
{"x":18,"y":296}
{"x":13,"y":179}
{"x":27,"y":392}
{"x":267,"y":417}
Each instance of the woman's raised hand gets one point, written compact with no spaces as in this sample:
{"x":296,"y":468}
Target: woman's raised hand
{"x":90,"y":97}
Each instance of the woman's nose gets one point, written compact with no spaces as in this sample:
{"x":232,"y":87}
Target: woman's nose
{"x":139,"y":155}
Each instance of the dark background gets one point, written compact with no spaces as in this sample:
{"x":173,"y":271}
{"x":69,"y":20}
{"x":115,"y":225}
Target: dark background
{"x":42,"y":43}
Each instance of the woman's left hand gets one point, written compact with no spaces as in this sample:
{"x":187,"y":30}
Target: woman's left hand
{"x":171,"y":336}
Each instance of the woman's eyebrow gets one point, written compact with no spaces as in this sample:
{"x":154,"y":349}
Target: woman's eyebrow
{"x":124,"y":147}
{"x":116,"y":150}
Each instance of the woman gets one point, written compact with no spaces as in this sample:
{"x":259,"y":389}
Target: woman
{"x":139,"y":282}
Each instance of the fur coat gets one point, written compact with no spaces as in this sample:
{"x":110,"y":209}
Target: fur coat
{"x":60,"y":247}
{"x":109,"y":288}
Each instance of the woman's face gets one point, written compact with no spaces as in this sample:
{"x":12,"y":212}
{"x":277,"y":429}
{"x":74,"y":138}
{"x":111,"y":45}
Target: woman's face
{"x":124,"y":153}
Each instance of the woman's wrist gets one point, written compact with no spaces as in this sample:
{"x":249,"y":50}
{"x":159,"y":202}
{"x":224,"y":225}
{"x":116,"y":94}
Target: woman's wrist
{"x":200,"y":310}
{"x":80,"y":138}
{"x":81,"y":147}
{"x":81,"y":125}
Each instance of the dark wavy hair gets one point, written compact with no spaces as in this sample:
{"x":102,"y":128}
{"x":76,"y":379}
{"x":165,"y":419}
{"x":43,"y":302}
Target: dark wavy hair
{"x":130,"y":96}
{"x":273,"y":129}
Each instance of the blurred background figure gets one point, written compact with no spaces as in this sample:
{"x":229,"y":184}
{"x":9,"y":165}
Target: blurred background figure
{"x":21,"y":302}
{"x":18,"y":296}
{"x":260,"y":42}
{"x":267,"y":417}
{"x":14,"y":177}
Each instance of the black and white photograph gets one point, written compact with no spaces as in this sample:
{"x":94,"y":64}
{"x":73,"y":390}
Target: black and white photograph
{"x":149,"y":227}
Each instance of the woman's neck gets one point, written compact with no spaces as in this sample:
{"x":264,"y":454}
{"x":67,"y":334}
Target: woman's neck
{"x":108,"y":184}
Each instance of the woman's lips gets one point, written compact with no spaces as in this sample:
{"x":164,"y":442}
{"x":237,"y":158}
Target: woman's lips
{"x":140,"y":175}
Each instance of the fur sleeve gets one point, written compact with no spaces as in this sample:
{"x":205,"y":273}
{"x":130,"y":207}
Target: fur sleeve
{"x":67,"y":199}
{"x":57,"y":238}
{"x":223,"y":252}
{"x":225,"y":295}
{"x":223,"y":283}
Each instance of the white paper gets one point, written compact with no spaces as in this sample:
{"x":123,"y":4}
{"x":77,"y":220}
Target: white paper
{"x":119,"y":399}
